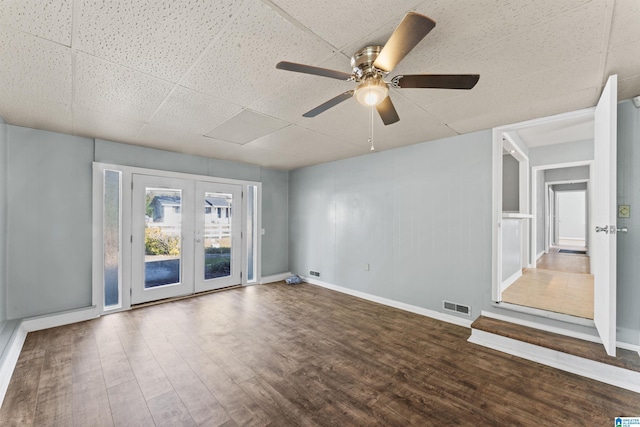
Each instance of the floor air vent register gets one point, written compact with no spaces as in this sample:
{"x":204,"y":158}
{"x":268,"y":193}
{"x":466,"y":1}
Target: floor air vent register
{"x":458,"y":308}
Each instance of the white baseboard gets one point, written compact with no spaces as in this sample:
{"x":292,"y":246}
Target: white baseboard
{"x":506,"y":283}
{"x":274,"y":278}
{"x":540,"y":255}
{"x":619,"y":377}
{"x":392,"y":303}
{"x":9,"y":358}
{"x":38,"y":323}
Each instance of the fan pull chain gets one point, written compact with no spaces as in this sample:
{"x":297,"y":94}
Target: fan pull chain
{"x":371,"y":130}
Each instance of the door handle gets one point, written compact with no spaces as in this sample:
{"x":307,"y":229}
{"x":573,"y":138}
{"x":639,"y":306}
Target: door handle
{"x":604,"y":229}
{"x":622,"y":230}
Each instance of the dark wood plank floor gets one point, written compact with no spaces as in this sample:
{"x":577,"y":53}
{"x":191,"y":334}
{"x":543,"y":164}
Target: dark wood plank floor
{"x":285,"y":355}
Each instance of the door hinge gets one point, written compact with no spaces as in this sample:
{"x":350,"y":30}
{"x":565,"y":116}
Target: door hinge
{"x":132,"y":185}
{"x":131,"y":239}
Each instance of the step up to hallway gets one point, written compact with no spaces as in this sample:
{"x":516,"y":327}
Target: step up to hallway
{"x":570,"y":354}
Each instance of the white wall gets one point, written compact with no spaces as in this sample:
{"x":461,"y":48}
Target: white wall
{"x":571,"y":214}
{"x":511,"y":247}
{"x":561,"y":153}
{"x":419,"y":215}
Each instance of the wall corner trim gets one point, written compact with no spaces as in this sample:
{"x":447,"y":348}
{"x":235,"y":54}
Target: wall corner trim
{"x":9,"y":357}
{"x":466,"y":323}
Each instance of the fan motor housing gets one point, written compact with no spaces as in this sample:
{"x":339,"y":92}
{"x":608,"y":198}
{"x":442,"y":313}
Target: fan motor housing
{"x":362,"y":62}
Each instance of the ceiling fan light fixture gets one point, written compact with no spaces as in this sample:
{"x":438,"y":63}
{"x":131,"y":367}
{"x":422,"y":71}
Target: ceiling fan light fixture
{"x":371,"y":91}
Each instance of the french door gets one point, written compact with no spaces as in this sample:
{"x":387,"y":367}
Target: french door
{"x":186,"y":237}
{"x":218,"y":233}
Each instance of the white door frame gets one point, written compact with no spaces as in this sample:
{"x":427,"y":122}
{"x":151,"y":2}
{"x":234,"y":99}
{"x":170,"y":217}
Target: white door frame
{"x":126,"y":229}
{"x":535,"y":251}
{"x":498,"y":144}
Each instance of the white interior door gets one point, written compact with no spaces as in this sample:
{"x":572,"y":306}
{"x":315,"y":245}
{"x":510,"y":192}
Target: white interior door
{"x":604,"y":215}
{"x":162,"y":238}
{"x":218,"y":260}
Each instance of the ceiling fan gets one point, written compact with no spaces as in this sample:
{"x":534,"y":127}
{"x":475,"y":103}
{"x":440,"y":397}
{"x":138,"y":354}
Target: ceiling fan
{"x":372,"y":64}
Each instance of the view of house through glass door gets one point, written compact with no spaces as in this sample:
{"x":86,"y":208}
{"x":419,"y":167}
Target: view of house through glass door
{"x":186,"y":237}
{"x":218,"y":233}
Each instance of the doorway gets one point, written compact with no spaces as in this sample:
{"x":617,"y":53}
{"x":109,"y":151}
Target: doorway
{"x":186,"y":237}
{"x":160,"y":234}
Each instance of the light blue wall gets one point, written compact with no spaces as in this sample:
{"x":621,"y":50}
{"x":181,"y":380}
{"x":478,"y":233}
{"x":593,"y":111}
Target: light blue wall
{"x":275,"y":189}
{"x":48,"y":200}
{"x":629,"y":244}
{"x":49,"y":222}
{"x":420,"y":216}
{"x":3,"y":222}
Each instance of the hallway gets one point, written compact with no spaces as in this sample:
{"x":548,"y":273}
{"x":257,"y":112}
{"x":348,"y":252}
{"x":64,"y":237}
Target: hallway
{"x":561,"y":283}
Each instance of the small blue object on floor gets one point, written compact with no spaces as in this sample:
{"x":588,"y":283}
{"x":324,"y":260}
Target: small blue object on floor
{"x":293,"y":280}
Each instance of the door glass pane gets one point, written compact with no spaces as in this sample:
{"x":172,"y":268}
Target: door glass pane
{"x":217,"y":235}
{"x":111,"y":238}
{"x":162,"y":237}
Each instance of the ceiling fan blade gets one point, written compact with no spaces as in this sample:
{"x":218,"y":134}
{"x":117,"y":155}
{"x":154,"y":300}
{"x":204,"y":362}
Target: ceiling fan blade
{"x":411,"y":30}
{"x":309,"y":69}
{"x":330,"y":103}
{"x":436,"y":81}
{"x":387,"y":111}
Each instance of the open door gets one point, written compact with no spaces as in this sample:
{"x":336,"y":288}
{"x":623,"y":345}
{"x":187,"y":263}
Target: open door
{"x":604,"y":215}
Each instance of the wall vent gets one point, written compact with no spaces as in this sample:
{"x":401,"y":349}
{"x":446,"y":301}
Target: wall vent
{"x":458,"y":308}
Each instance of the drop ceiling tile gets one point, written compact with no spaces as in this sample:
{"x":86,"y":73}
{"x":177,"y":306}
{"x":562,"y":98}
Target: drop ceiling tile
{"x":297,"y":93}
{"x":34,"y":69}
{"x":240,"y":66}
{"x":334,"y":20}
{"x":267,"y":158}
{"x":164,"y":138}
{"x":245,"y":127}
{"x":162,"y":38}
{"x":625,"y":25}
{"x":299,"y":142}
{"x":534,"y":109}
{"x":193,"y":111}
{"x":49,"y":116}
{"x":95,"y":124}
{"x":562,"y":39}
{"x":517,"y":94}
{"x":624,"y":60}
{"x":50,"y":20}
{"x":110,"y":88}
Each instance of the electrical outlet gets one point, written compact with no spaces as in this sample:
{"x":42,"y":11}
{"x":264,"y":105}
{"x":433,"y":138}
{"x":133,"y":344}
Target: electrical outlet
{"x":367,"y":267}
{"x":624,"y":211}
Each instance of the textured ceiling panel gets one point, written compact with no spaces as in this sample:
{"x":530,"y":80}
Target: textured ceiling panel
{"x":110,"y":88}
{"x":625,"y":26}
{"x":47,"y":19}
{"x":38,"y":115}
{"x":105,"y":126}
{"x":240,"y":66}
{"x":163,"y":73}
{"x":624,"y":60}
{"x":519,"y":93}
{"x":162,"y":38}
{"x":246,"y":126}
{"x":534,"y":109}
{"x":303,"y":91}
{"x":34,"y":70}
{"x":338,"y":26}
{"x":193,"y":111}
